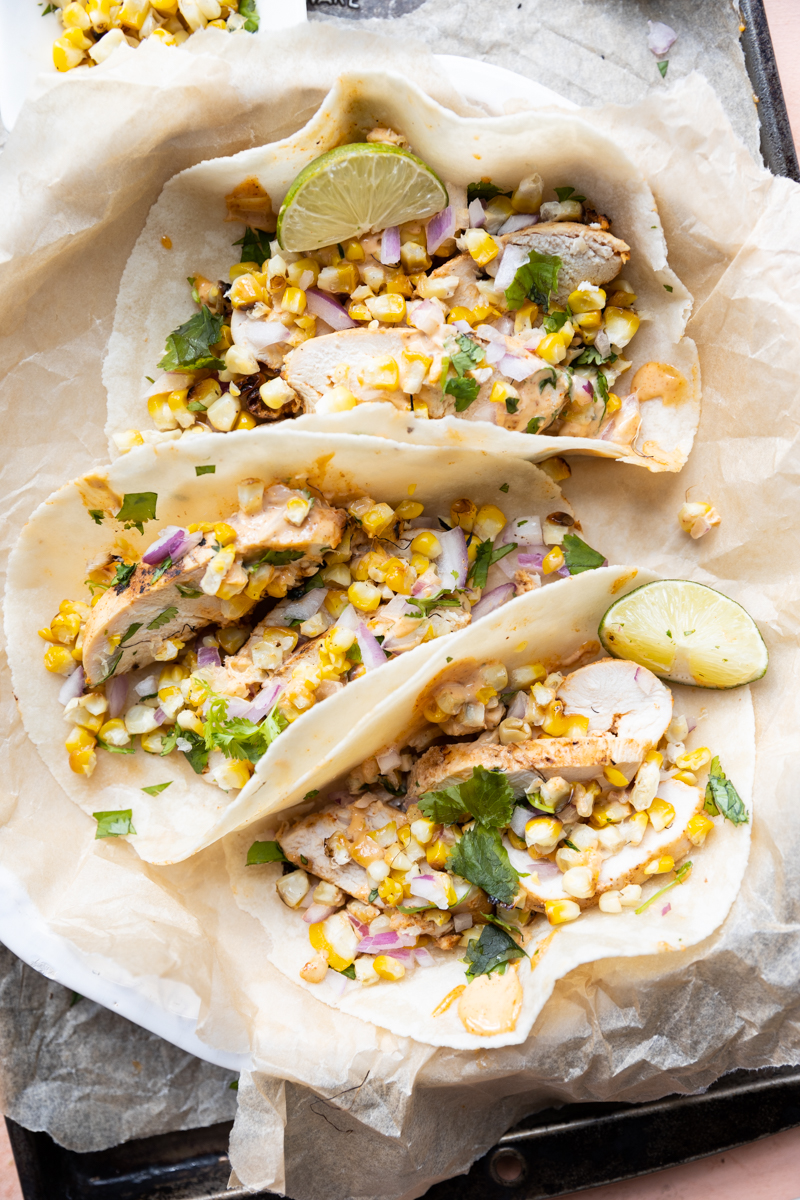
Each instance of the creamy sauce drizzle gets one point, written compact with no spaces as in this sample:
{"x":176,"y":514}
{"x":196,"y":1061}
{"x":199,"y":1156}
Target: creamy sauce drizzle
{"x":491,"y":1004}
{"x":657,"y":380}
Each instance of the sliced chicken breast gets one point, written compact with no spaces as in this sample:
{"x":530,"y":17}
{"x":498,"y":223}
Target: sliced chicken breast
{"x":619,"y":697}
{"x":587,"y":255}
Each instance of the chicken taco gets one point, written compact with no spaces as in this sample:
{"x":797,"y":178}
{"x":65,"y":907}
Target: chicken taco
{"x":523,"y":806}
{"x":499,"y":283}
{"x":212,"y":623}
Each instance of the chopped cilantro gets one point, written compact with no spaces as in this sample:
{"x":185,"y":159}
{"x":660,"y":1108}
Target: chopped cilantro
{"x":97,"y":514}
{"x":52,"y":8}
{"x":448,"y":660}
{"x":310,"y":795}
{"x":601,"y":387}
{"x":197,"y":756}
{"x":590,"y":356}
{"x":533,"y":425}
{"x":234,"y":1085}
{"x":552,"y":381}
{"x":116,"y":749}
{"x":247,"y":8}
{"x":161,"y":569}
{"x":481,"y":858}
{"x":555,"y":321}
{"x":114,"y":824}
{"x":265,"y":852}
{"x":196,"y":406}
{"x":662,"y":66}
{"x":536,"y":280}
{"x":487,"y":797}
{"x":578,"y":556}
{"x":484,"y":190}
{"x":188,"y":591}
{"x":426,"y":605}
{"x":240,"y":737}
{"x":138,"y":507}
{"x":350,"y":971}
{"x":277,"y":558}
{"x":568,"y":193}
{"x":123,"y":574}
{"x":468,"y":355}
{"x":209,"y":470}
{"x":304,"y":860}
{"x":503,"y":487}
{"x":155,"y":789}
{"x":254,"y":243}
{"x":373,"y":896}
{"x":722,"y":797}
{"x":163,"y":618}
{"x":492,"y":951}
{"x":667,"y":288}
{"x":129,"y":632}
{"x":485,"y":557}
{"x":464,"y":390}
{"x":189,"y":346}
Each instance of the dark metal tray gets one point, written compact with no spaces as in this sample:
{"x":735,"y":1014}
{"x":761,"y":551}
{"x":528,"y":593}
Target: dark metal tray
{"x":553,"y":1153}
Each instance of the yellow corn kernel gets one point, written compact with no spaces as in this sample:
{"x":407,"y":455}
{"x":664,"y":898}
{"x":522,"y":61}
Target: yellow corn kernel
{"x":389,"y":308}
{"x":364,"y":596}
{"x":167,"y":38}
{"x":437,"y":853}
{"x":83,"y":762}
{"x":620,"y":326}
{"x":300,"y":268}
{"x":376,"y":520}
{"x":422,"y":830}
{"x":614,"y":404}
{"x":686,"y":777}
{"x":654,"y":756}
{"x":517,"y":842}
{"x":245,"y":290}
{"x":354,"y":251}
{"x":615,"y":777}
{"x":622,"y":299}
{"x":47,"y":635}
{"x":224,"y":533}
{"x":587,"y":299}
{"x":113,"y":732}
{"x":408,"y":510}
{"x":693,"y":760}
{"x":383,"y":374}
{"x":485,"y":694}
{"x":387,"y":967}
{"x":559,"y":912}
{"x":660,"y":866}
{"x":481,"y":246}
{"x":499,"y":209}
{"x":698,"y":828}
{"x":65,"y":57}
{"x":661,"y":814}
{"x":459,"y":313}
{"x":420,"y":563}
{"x":553,"y":560}
{"x":414,"y":258}
{"x":589,"y":322}
{"x":399,"y":284}
{"x":65,"y":628}
{"x":359,"y":312}
{"x":79,"y":739}
{"x":245,"y":420}
{"x":433,"y":713}
{"x":75,"y":16}
{"x":524,"y":317}
{"x":427,"y":544}
{"x":552,"y":349}
{"x":243,"y":268}
{"x":390,"y":891}
{"x":336,"y":602}
{"x":463,"y":512}
{"x":400,"y":576}
{"x":489,"y":521}
{"x":482,"y":312}
{"x":502,"y":391}
{"x":59,"y":660}
{"x":293,"y":300}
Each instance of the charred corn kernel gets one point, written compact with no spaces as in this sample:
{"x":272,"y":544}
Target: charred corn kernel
{"x":389,"y":308}
{"x":422,"y":830}
{"x":654,"y":756}
{"x":390,"y":891}
{"x":694,"y":760}
{"x":436,"y":854}
{"x":83,"y":762}
{"x":433,"y":713}
{"x":427,"y":544}
{"x":543,"y":833}
{"x":463,"y":513}
{"x":376,"y":520}
{"x":293,"y":300}
{"x":359,"y":312}
{"x":552,"y":349}
{"x":388,"y":968}
{"x":686,"y":777}
{"x":589,"y":322}
{"x":489,"y":521}
{"x":342,"y":278}
{"x":660,"y":866}
{"x":243,"y":268}
{"x":408,"y":510}
{"x":622,"y":299}
{"x":485,"y":694}
{"x":498,"y":210}
{"x":190,"y":720}
{"x":400,"y":576}
{"x":420,"y":563}
{"x":525,"y":316}
{"x":364,"y":596}
{"x":59,"y":660}
{"x":559,"y":912}
{"x":383,"y":374}
{"x":79,"y":739}
{"x":414,"y":258}
{"x":615,"y":777}
{"x":114,"y":733}
{"x":481,"y":246}
{"x":65,"y":57}
{"x":65,"y":628}
{"x":245,"y":290}
{"x":459,"y":313}
{"x":553,"y":560}
{"x":224,"y":533}
{"x":620,"y":325}
{"x":698,"y":828}
{"x":586,"y":299}
{"x":661,"y":814}
{"x":613,"y":404}
{"x":354,"y":251}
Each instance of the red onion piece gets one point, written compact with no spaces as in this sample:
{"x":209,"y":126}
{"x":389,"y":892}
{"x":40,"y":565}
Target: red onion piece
{"x":512,"y":259}
{"x":72,"y":686}
{"x":336,"y":982}
{"x":525,"y":531}
{"x":587,"y":387}
{"x":390,"y":246}
{"x":147,"y":686}
{"x":667,"y":908}
{"x":361,"y":929}
{"x":517,"y":222}
{"x":171,"y":381}
{"x":477,"y":214}
{"x":318,"y":912}
{"x":660,"y":38}
{"x":602,"y":343}
{"x":427,"y":317}
{"x":236,"y":706}
{"x":429,"y":888}
{"x":532,"y":561}
{"x":517,"y":709}
{"x":208,"y":656}
{"x":320,"y":304}
{"x":406,"y":957}
{"x":461,"y":326}
{"x":489,"y":601}
{"x":517,"y":368}
{"x":385,"y":943}
{"x":173,"y":542}
{"x":255,"y":335}
{"x":452,"y":564}
{"x":264,"y":702}
{"x":388,"y":762}
{"x":495,"y":352}
{"x":440,"y":227}
{"x":160,"y":716}
{"x":372,"y":653}
{"x":428,"y":583}
{"x":424,"y":957}
{"x":522,"y":814}
{"x":117,"y":694}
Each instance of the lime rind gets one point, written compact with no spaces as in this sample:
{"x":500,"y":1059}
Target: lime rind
{"x":686,"y":633}
{"x":355,"y":189}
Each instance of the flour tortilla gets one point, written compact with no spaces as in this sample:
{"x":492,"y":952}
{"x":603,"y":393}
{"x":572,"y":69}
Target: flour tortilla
{"x":154,"y":297}
{"x":551,"y":624}
{"x":48,"y":565}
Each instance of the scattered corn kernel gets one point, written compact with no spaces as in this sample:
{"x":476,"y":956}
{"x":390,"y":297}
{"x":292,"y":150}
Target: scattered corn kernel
{"x":661,"y":814}
{"x":660,"y":866}
{"x":388,"y":968}
{"x":694,"y":760}
{"x":559,"y":912}
{"x":698,"y":828}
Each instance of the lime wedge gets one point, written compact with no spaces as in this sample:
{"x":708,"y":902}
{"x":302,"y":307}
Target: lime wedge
{"x":686,"y":633}
{"x":355,"y":189}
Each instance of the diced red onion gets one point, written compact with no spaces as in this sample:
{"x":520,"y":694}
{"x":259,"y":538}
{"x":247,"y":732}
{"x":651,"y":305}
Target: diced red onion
{"x":236,"y":706}
{"x":372,"y":653}
{"x":336,"y":982}
{"x":525,"y":531}
{"x":397,"y":607}
{"x":147,"y":686}
{"x":452,"y":564}
{"x":406,"y":957}
{"x":544,"y":867}
{"x":602,"y":343}
{"x":385,"y":943}
{"x":495,"y":352}
{"x":159,"y":716}
{"x":461,"y":326}
{"x":587,"y":387}
{"x":117,"y":694}
{"x":264,"y":702}
{"x":349,"y":618}
{"x":504,"y":326}
{"x":512,"y":259}
{"x":208,"y":656}
{"x":517,"y":222}
{"x":320,"y":304}
{"x":390,"y":246}
{"x":73,"y":686}
{"x":660,"y":38}
{"x":477,"y":213}
{"x":667,"y":908}
{"x":424,"y":957}
{"x":318,"y":912}
{"x":174,"y":542}
{"x":308,"y":899}
{"x":429,"y":888}
{"x":428,"y":583}
{"x":427,"y":317}
{"x":517,"y":709}
{"x":389,"y":761}
{"x":533,"y":561}
{"x":256,"y":335}
{"x":361,"y":929}
{"x":171,"y":381}
{"x":462,"y":921}
{"x":489,"y":601}
{"x":489,"y":334}
{"x":440,"y":227}
{"x":517,"y":368}
{"x":306,"y":606}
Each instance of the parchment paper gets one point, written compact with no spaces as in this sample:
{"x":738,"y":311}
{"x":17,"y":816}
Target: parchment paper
{"x":362,"y":1113}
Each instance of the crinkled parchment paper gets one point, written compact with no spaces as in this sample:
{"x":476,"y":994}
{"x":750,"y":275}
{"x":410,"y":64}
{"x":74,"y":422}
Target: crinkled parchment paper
{"x":335,"y":1107}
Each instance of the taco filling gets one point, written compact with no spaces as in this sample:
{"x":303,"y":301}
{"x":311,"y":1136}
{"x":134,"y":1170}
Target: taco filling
{"x":222,"y":634}
{"x":519,"y":797}
{"x":503,"y":307}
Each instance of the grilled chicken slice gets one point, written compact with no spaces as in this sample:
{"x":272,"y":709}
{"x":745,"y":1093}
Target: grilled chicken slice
{"x":306,"y":839}
{"x":525,"y":762}
{"x":619,"y":697}
{"x":624,"y":867}
{"x":143,"y":614}
{"x":272,"y":528}
{"x":466,"y":294}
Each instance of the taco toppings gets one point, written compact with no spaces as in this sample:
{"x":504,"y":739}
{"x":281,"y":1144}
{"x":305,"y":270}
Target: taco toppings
{"x":518,"y":796}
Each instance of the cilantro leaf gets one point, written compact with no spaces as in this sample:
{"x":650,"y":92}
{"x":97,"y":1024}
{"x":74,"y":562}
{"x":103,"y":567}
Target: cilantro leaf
{"x":492,"y":951}
{"x":681,"y":875}
{"x":187,"y":591}
{"x":590,"y":356}
{"x":536,"y":280}
{"x":349,"y":972}
{"x":123,"y":575}
{"x":161,"y":569}
{"x":373,"y":896}
{"x":533,"y":425}
{"x":512,"y":403}
{"x":722,"y":797}
{"x":487,"y":796}
{"x":156,"y":788}
{"x":239,"y":737}
{"x":601,"y":387}
{"x":568,"y":193}
{"x":555,"y":321}
{"x":485,"y":557}
{"x":111,"y":666}
{"x":264,"y":852}
{"x":163,"y":618}
{"x":137,"y":507}
{"x":97,"y":514}
{"x":579,"y":557}
{"x":662,"y":66}
{"x":114,"y":824}
{"x":210,"y":469}
{"x":254,"y":243}
{"x":464,"y":390}
{"x":425,"y":605}
{"x":189,"y":346}
{"x":481,"y":858}
{"x":197,"y":757}
{"x":129,"y":632}
{"x":277,"y":558}
{"x":116,"y":749}
{"x":247,"y":8}
{"x":551,"y":382}
{"x":468,"y":355}
{"x":484,"y":190}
